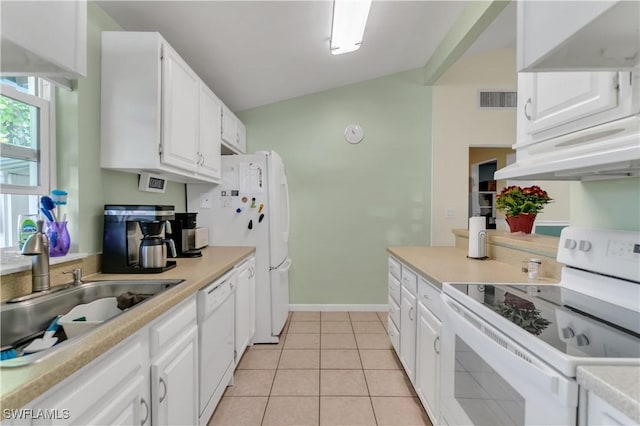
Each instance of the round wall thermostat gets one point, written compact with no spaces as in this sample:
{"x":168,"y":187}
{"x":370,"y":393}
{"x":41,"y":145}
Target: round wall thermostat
{"x":354,"y":133}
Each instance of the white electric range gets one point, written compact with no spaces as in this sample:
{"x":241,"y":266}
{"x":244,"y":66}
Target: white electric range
{"x":510,"y":351}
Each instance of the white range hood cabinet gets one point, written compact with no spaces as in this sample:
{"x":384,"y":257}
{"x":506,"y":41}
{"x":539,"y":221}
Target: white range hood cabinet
{"x":607,"y":151}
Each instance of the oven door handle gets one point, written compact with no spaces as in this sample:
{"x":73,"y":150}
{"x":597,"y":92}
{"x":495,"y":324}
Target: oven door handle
{"x":494,"y":348}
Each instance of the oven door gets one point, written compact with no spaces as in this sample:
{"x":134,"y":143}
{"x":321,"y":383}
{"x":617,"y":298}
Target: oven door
{"x":488,"y":379}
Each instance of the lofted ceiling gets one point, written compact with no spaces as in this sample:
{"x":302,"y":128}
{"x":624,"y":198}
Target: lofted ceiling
{"x":253,"y":53}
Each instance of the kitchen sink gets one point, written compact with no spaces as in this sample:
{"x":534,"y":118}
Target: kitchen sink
{"x":32,"y":316}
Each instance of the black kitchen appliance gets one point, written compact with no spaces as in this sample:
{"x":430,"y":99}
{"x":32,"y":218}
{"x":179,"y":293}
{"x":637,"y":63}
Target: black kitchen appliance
{"x":123,"y":237}
{"x":182,"y":232}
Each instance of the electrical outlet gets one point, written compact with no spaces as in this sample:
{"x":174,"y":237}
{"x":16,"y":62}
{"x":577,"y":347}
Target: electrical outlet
{"x":450,"y":212}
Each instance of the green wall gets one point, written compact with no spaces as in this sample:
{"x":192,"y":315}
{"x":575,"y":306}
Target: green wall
{"x":350,"y":202}
{"x":78,"y":151}
{"x":613,"y":204}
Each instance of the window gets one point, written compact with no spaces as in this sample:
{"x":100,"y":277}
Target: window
{"x":26,"y":150}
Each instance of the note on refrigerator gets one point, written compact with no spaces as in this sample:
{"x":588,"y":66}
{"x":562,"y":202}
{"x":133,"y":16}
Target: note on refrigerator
{"x":251,"y":178}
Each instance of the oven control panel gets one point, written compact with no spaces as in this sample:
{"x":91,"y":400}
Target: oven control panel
{"x":609,"y":252}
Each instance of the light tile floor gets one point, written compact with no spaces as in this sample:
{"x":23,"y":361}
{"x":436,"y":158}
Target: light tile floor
{"x":330,"y":368}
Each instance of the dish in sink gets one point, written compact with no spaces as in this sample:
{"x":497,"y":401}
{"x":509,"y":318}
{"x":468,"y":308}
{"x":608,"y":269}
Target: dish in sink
{"x":23,"y":321}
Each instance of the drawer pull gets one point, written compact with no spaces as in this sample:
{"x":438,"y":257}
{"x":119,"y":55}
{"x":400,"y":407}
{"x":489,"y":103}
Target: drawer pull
{"x":426,"y":296}
{"x":164,"y":385}
{"x":526,"y":112}
{"x":146,"y":408}
{"x":410,"y":311}
{"x":436,"y":345}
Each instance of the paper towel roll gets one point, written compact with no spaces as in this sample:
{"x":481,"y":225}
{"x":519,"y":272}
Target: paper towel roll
{"x":477,"y":224}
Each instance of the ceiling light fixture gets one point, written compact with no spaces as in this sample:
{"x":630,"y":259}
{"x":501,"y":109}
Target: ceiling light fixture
{"x":349,"y":20}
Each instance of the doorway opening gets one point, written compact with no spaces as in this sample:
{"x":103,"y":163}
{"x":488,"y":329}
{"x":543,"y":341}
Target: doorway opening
{"x":483,"y":163}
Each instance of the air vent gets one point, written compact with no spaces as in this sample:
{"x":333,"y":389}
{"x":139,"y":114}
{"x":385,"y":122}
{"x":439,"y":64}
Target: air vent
{"x":488,"y":99}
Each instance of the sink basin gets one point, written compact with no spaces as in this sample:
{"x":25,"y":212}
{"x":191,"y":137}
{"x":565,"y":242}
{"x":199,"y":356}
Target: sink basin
{"x":25,"y":318}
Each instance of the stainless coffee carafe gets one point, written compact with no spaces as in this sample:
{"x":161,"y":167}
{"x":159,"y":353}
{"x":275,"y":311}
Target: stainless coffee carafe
{"x":153,"y":247}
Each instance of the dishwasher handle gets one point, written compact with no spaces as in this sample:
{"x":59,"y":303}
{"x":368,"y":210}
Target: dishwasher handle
{"x":216,"y":287}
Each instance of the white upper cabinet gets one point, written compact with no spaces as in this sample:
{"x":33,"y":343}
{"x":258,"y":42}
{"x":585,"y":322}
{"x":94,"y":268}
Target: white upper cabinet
{"x":233,"y":133}
{"x":45,"y":38}
{"x":209,"y":136}
{"x":556,"y":103}
{"x":156,"y":114}
{"x":180,"y":103}
{"x":578,"y":35}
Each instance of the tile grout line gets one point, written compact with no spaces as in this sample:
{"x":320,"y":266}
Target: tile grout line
{"x":284,"y":337}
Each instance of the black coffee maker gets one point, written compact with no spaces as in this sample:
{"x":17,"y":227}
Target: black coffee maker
{"x":124,"y":244}
{"x":182,"y":229}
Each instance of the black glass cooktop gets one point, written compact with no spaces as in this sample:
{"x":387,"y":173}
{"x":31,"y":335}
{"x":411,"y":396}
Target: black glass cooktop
{"x":571,"y":322}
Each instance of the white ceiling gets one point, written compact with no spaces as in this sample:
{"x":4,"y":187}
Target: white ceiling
{"x":253,"y":53}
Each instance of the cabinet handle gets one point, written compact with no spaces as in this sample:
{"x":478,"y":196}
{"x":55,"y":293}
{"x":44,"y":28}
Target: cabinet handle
{"x":410,"y":317}
{"x":146,"y":408}
{"x":426,"y":296}
{"x":526,"y":113}
{"x":436,"y":345}
{"x":164,"y":394}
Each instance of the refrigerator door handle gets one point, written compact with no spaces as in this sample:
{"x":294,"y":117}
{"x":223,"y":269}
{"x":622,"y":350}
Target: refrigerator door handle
{"x":287,"y":261}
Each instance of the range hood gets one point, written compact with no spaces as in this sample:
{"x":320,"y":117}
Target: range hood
{"x":607,"y":151}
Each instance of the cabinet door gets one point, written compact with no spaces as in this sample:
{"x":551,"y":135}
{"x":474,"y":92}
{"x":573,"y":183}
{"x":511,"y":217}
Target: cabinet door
{"x":36,"y":43}
{"x":408,"y":317}
{"x":601,"y":413}
{"x":112,"y":390}
{"x":180,"y":91}
{"x":243,"y":309}
{"x":209,"y":134}
{"x":174,"y":382}
{"x":428,"y":361}
{"x":229,"y":127}
{"x":241,"y":133}
{"x":549,"y":100}
{"x":252,"y":299}
{"x":129,"y":407}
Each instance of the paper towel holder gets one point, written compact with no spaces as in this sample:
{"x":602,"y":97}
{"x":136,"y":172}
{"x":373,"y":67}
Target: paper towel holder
{"x":482,"y":246}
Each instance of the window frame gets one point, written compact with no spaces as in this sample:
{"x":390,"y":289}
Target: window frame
{"x":45,"y":154}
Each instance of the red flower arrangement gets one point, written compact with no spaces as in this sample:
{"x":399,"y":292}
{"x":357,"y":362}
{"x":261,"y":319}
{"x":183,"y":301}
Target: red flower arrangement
{"x":514,"y":200}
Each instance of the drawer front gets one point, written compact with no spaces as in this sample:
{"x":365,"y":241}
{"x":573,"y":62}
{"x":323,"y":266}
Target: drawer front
{"x":171,"y":326}
{"x":409,"y":280}
{"x":394,"y":267}
{"x":394,"y":288}
{"x":394,"y":336}
{"x":429,"y":296}
{"x":394,"y":312}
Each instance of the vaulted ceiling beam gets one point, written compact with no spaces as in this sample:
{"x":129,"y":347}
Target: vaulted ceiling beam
{"x":475,"y":18}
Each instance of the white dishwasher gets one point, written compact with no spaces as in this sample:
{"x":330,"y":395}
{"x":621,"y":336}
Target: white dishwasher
{"x":216,"y":309}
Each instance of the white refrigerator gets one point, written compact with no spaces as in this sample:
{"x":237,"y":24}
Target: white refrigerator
{"x":251,"y":208}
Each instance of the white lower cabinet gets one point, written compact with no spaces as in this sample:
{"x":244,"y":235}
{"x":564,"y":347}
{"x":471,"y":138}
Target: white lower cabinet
{"x":114,"y":389}
{"x":174,"y":370}
{"x":601,"y":413}
{"x":417,"y":339}
{"x":408,"y":316}
{"x":152,"y":378}
{"x":127,"y":408}
{"x":427,"y":382}
{"x":245,"y":317}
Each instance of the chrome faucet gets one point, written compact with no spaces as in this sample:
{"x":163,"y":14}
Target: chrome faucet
{"x":37,"y":246}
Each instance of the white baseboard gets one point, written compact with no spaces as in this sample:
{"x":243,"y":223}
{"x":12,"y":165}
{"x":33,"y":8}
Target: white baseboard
{"x":339,"y":308}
